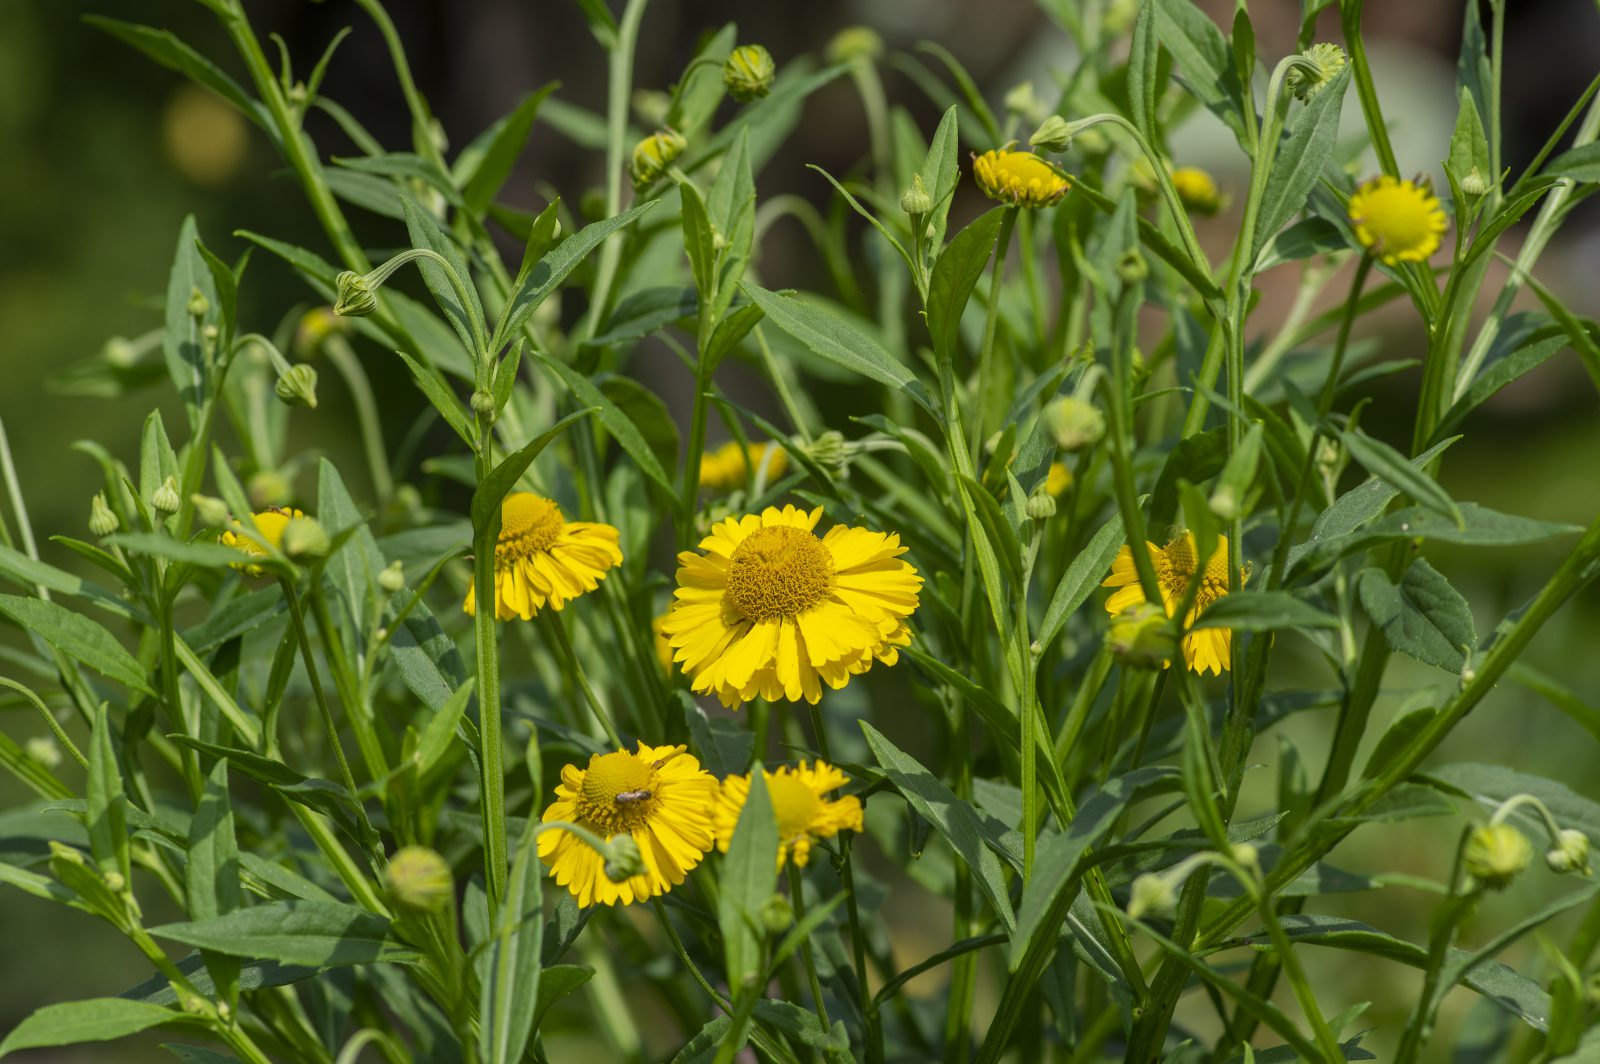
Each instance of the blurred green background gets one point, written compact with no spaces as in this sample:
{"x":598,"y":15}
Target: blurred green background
{"x":102,"y":154}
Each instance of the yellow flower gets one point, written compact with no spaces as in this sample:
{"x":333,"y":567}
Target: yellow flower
{"x":662,"y":645}
{"x":1058,"y":480}
{"x":659,"y":795}
{"x":803,"y":814}
{"x":541,"y":557}
{"x":1020,"y":178}
{"x":1399,"y":221}
{"x":270,"y":524}
{"x":730,"y":465}
{"x":1176,"y":565}
{"x":1197,"y":190}
{"x":771,"y":609}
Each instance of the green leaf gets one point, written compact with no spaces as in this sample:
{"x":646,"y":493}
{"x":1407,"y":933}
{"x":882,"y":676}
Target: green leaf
{"x":1384,"y":461}
{"x":172,"y":53}
{"x":310,"y":933}
{"x":1498,"y":374}
{"x":1300,"y":161}
{"x":555,"y":266}
{"x":723,"y":745}
{"x":94,"y":1020}
{"x":506,"y":138}
{"x":443,"y":399}
{"x":1580,"y":164}
{"x":1422,"y":616}
{"x":1263,"y":611}
{"x":940,"y":173}
{"x":1204,"y":60}
{"x":157,"y":460}
{"x":698,"y":241}
{"x":641,"y":313}
{"x":77,"y":637}
{"x":840,"y":343}
{"x":510,"y":989}
{"x":106,"y":805}
{"x":211,"y":555}
{"x":731,"y":206}
{"x":555,"y":983}
{"x":1490,"y":785}
{"x":729,"y":332}
{"x":425,"y":233}
{"x":1482,"y":527}
{"x":956,"y":821}
{"x":749,"y":875}
{"x":1469,"y":148}
{"x":493,"y":489}
{"x":182,"y":343}
{"x":441,"y":727}
{"x":956,"y":274}
{"x":969,"y":89}
{"x":212,"y":870}
{"x":1142,"y":90}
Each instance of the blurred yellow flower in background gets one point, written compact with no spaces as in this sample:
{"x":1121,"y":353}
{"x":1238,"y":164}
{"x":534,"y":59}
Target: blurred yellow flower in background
{"x":205,"y":138}
{"x":799,"y":804}
{"x":730,"y":465}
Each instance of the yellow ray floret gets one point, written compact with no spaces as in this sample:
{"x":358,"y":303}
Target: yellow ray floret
{"x":1019,"y":178}
{"x":799,"y":804}
{"x":1176,"y":565}
{"x":1398,"y":221}
{"x":771,"y":609}
{"x":542,"y":559}
{"x":659,"y":795}
{"x":270,"y":524}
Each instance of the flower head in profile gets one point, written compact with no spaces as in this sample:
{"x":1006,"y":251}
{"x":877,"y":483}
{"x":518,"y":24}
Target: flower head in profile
{"x":1398,"y":221}
{"x":270,"y":524}
{"x":732,"y":464}
{"x":1019,"y":178}
{"x":799,"y":804}
{"x":772,"y":609}
{"x":542,"y":558}
{"x":1197,"y":190}
{"x":657,"y":795}
{"x":1176,"y":565}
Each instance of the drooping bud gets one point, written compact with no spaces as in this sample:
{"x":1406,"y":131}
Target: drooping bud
{"x":102,"y":518}
{"x":166,"y":498}
{"x":1142,"y":637}
{"x":211,"y":510}
{"x":1570,"y":852}
{"x":420,"y":880}
{"x":354,"y":295}
{"x":1313,"y":69}
{"x":829,"y":450}
{"x":653,"y":154}
{"x":304,"y":537}
{"x":1075,"y":423}
{"x":393,"y":577}
{"x":855,"y":43}
{"x":748,"y":71}
{"x":777,"y":914}
{"x":624,"y":861}
{"x":1151,"y":893}
{"x":199,"y":305}
{"x":915,"y":200}
{"x":1495,"y":853}
{"x":297,"y":386}
{"x":1053,"y":135}
{"x":267,"y":488}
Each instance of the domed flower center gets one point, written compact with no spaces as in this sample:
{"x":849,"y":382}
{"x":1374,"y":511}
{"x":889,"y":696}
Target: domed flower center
{"x":1181,"y":565}
{"x":528,"y":523}
{"x":779,"y":572}
{"x":618,"y":793}
{"x":1019,"y":177}
{"x":794,"y":805}
{"x":1397,"y":216}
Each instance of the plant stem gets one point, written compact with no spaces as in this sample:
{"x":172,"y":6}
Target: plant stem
{"x":492,"y":782}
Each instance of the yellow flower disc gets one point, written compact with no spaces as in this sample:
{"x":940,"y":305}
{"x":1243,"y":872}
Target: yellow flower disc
{"x":1398,"y":221}
{"x":772,"y":609}
{"x":658,"y":795}
{"x":270,"y":524}
{"x":1197,"y":190}
{"x":541,"y":558}
{"x":1020,"y":178}
{"x":1176,"y":565}
{"x":799,"y":804}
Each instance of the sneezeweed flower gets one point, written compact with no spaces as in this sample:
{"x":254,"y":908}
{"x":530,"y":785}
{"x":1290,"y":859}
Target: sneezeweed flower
{"x":653,"y":154}
{"x":1197,"y":190}
{"x":800,"y":805}
{"x":1176,"y":565}
{"x":1398,"y":221}
{"x":1495,"y":854}
{"x":542,"y":559}
{"x":270,"y":524}
{"x":772,"y":609}
{"x":730,"y":465}
{"x":658,"y":795}
{"x":748,"y":71}
{"x":1058,"y":479}
{"x":1019,"y":178}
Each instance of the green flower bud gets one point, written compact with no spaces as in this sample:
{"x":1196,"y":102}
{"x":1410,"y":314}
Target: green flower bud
{"x":268,"y":488}
{"x":1151,"y":893}
{"x":298,"y":385}
{"x":624,"y":861}
{"x":1041,"y":504}
{"x":211,"y":511}
{"x":653,"y":154}
{"x":102,"y":518}
{"x":1246,"y":854}
{"x":1022,"y":102}
{"x":199,"y":305}
{"x":1131,"y":266}
{"x":43,"y":749}
{"x":1474,"y":184}
{"x":1570,"y":852}
{"x":166,"y":497}
{"x":120,"y":352}
{"x":1224,"y":502}
{"x":915,"y":200}
{"x":1052,"y":135}
{"x":354,"y":295}
{"x":393,"y":578}
{"x":482,"y":403}
{"x":777,"y":914}
{"x":830,"y":450}
{"x":1142,"y":637}
{"x":748,"y":71}
{"x":651,"y":106}
{"x":1075,"y":423}
{"x":304,"y":537}
{"x":1313,"y":70}
{"x":420,"y":880}
{"x":855,"y":43}
{"x":1495,"y":853}
{"x":116,"y":883}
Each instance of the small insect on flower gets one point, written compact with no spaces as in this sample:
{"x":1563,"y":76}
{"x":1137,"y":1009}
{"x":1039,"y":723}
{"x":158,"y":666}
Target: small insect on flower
{"x":658,"y":795}
{"x":1398,"y":221}
{"x":542,"y":559}
{"x":771,"y":609}
{"x":1019,"y":178}
{"x":1176,"y":565}
{"x":270,"y":524}
{"x":799,"y":804}
{"x":730,"y":465}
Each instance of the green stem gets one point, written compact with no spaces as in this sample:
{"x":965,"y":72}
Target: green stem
{"x":798,"y":898}
{"x":991,"y":321}
{"x":297,"y":618}
{"x":492,"y":782}
{"x":1361,"y":72}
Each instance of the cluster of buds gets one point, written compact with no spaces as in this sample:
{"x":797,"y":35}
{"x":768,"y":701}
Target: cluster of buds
{"x":1496,"y":853}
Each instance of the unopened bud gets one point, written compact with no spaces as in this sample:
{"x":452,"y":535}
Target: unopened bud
{"x":304,"y":537}
{"x":210,"y":510}
{"x":1142,"y":637}
{"x":1313,"y":70}
{"x":1474,"y":184}
{"x":482,"y":403}
{"x":1053,"y":135}
{"x":115,"y":882}
{"x":199,"y":305}
{"x":1041,"y":507}
{"x":1245,"y":854}
{"x":653,"y":154}
{"x":1075,"y":423}
{"x":1570,"y":852}
{"x":1495,"y":853}
{"x":297,"y":386}
{"x":1151,"y":893}
{"x":268,"y":488}
{"x":1131,"y":266}
{"x":166,"y":498}
{"x":393,"y":578}
{"x":354,"y":296}
{"x":120,"y":352}
{"x":102,"y":518}
{"x":748,"y":71}
{"x":855,"y":43}
{"x":419,"y":879}
{"x":43,"y":749}
{"x":777,"y":914}
{"x":829,"y":450}
{"x":1224,"y":502}
{"x":915,"y":199}
{"x":624,"y":861}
